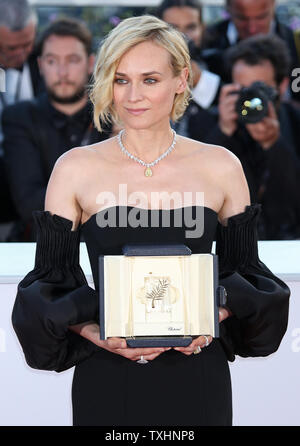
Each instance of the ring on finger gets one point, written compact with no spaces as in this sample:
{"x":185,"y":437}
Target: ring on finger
{"x":206,"y":341}
{"x":142,"y":360}
{"x":198,"y":350}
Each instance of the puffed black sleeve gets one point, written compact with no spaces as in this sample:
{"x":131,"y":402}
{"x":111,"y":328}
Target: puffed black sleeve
{"x":52,"y":296}
{"x":257,"y":298}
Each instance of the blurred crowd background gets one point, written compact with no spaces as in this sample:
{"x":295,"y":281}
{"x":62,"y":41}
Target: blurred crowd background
{"x":246,"y":95}
{"x":101,"y":16}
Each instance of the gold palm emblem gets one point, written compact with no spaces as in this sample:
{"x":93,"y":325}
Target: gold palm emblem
{"x":158,"y":292}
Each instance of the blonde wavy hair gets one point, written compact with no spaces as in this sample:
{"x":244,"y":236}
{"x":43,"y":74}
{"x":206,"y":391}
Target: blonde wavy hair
{"x":127,"y":34}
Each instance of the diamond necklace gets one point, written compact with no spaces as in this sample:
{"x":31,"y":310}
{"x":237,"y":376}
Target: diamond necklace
{"x":148,"y":171}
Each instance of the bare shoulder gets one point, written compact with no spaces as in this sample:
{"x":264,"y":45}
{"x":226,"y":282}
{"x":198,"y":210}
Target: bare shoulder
{"x":76,"y":154}
{"x":223,"y":160}
{"x":68,"y":177}
{"x":79,"y":157}
{"x":223,"y":171}
{"x":71,"y":159}
{"x":220,"y":158}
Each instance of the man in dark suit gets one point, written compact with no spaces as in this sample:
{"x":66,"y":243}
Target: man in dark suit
{"x":247,"y":18}
{"x":186,"y":17}
{"x":268,"y":149}
{"x":18,"y":22}
{"x":37,"y":132}
{"x":21,"y":80}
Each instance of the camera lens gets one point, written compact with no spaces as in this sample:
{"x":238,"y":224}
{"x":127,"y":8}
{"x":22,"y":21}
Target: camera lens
{"x":251,"y":106}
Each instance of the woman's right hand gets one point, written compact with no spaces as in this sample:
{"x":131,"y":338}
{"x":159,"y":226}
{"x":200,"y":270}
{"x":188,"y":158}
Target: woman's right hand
{"x":91,"y":331}
{"x":228,"y":116}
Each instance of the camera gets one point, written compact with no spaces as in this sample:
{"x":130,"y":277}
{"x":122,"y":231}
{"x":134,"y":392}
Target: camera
{"x":252,"y":103}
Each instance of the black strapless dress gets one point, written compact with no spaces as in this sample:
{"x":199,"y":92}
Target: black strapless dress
{"x":174,"y":389}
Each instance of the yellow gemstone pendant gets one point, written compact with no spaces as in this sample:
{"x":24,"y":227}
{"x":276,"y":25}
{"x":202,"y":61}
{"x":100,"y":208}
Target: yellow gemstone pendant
{"x":148,"y":172}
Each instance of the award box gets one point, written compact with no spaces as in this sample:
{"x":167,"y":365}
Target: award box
{"x":161,"y":295}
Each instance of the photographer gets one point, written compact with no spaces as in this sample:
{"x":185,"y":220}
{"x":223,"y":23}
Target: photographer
{"x":37,"y":132}
{"x":186,"y":17}
{"x":246,"y":19}
{"x":18,"y":23}
{"x":269,"y":148}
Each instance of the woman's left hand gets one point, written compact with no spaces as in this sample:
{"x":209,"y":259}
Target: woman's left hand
{"x":203,"y":341}
{"x":199,"y":342}
{"x":224,"y":313}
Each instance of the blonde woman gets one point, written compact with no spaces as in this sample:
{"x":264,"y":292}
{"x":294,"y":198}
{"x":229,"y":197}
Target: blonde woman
{"x":141,"y":82}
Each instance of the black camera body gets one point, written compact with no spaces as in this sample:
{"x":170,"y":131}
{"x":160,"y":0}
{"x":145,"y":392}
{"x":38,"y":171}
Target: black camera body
{"x":252,"y":103}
